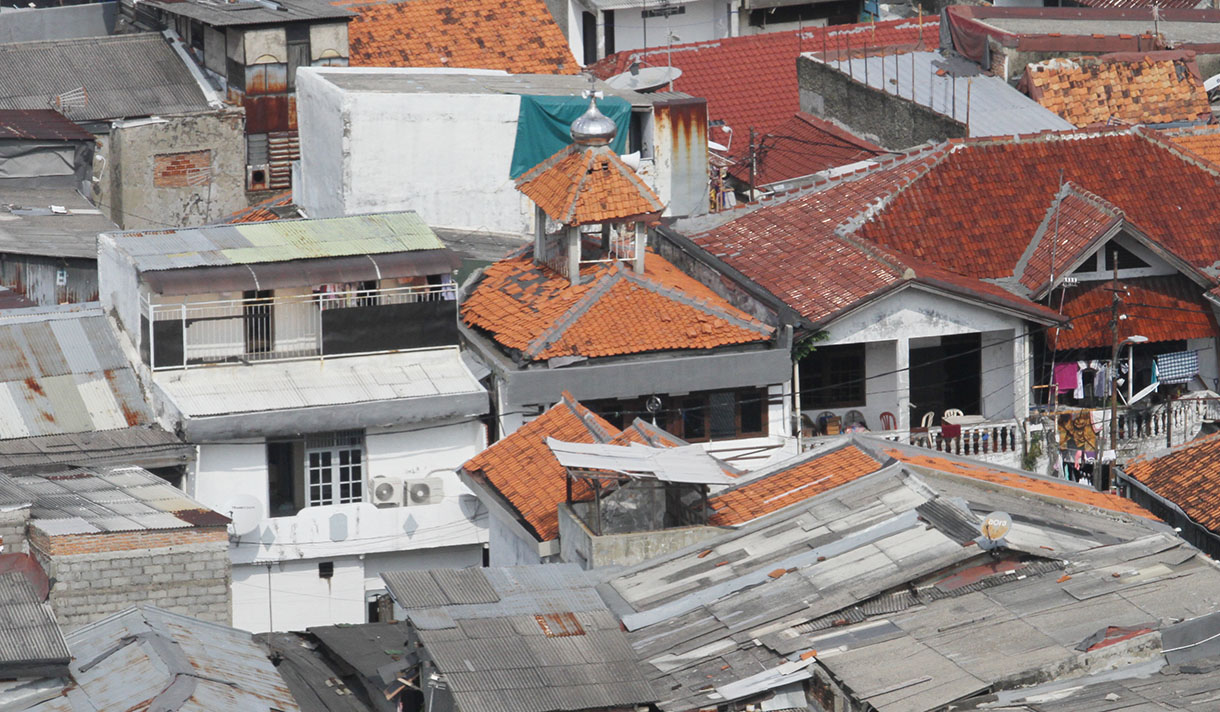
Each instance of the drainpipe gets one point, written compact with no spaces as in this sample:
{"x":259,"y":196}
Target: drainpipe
{"x":796,"y":405}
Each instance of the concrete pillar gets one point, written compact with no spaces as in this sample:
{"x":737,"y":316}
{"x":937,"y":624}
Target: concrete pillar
{"x":641,"y":238}
{"x":734,"y":18}
{"x":902,"y":389}
{"x":601,"y":34}
{"x":574,"y":255}
{"x":1022,"y":360}
{"x":539,"y":235}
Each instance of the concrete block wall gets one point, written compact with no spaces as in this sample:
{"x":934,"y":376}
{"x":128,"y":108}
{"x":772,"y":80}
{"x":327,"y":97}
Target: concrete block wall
{"x":890,"y":121}
{"x":191,"y":579}
{"x":12,"y":529}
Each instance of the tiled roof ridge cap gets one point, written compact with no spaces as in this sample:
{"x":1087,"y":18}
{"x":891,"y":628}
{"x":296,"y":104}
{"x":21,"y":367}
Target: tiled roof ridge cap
{"x":1184,"y":154}
{"x":626,"y":171}
{"x":681,"y":297}
{"x":587,"y":417}
{"x":1075,"y":134}
{"x":1048,"y":220}
{"x":602,"y":285}
{"x":875,"y":207}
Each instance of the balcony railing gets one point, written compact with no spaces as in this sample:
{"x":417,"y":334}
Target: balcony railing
{"x":298,"y":326}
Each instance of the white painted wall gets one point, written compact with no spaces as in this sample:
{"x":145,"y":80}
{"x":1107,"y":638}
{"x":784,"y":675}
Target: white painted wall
{"x":289,"y":595}
{"x":321,"y":124}
{"x":1208,"y":369}
{"x":703,"y":20}
{"x":888,"y":326}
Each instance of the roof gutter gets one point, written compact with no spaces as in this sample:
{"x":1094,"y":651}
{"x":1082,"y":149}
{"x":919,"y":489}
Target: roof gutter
{"x":175,"y":43}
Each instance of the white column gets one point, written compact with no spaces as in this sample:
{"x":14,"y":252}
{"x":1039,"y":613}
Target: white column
{"x":601,"y":34}
{"x":573,"y":254}
{"x":734,"y":18}
{"x":641,"y":238}
{"x":902,"y":388}
{"x":539,"y":235}
{"x":1022,"y":360}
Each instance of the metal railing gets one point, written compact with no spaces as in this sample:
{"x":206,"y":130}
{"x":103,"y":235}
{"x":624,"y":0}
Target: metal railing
{"x":262,"y":328}
{"x":973,"y":440}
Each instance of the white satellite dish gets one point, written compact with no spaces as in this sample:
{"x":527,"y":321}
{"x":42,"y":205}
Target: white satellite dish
{"x":245,"y":511}
{"x":645,"y":79}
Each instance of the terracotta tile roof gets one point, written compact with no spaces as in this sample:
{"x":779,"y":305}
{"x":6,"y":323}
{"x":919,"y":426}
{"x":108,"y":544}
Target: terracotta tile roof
{"x":1188,"y":475}
{"x":1161,"y":308}
{"x":968,"y":207}
{"x":750,"y":81}
{"x":1200,"y":141}
{"x":261,"y":212}
{"x":526,"y":474}
{"x":812,"y":476}
{"x":1047,"y":487}
{"x":530,"y":309}
{"x":1135,"y":4}
{"x":838,"y":270}
{"x":582,"y":185}
{"x":1074,"y":222}
{"x":804,"y":145}
{"x":1147,"y":88}
{"x":517,"y":36}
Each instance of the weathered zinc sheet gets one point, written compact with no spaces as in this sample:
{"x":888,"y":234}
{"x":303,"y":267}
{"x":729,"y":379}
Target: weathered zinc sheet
{"x":29,"y":636}
{"x":276,"y":241}
{"x":886,"y":569}
{"x":147,"y":658}
{"x":521,"y":639}
{"x":109,"y":499}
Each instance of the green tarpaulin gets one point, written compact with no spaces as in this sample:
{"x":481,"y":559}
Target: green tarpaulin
{"x":543,"y":123}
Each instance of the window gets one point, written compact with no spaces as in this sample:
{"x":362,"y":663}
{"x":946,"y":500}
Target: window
{"x":321,"y":469}
{"x":833,"y":377}
{"x":705,"y":415}
{"x":664,"y":11}
{"x":334,"y":468}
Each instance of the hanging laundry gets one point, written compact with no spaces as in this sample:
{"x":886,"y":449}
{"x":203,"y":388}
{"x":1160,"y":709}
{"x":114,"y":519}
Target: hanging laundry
{"x":1101,"y":381}
{"x":1177,"y":367}
{"x":1076,"y":430}
{"x":1099,"y":418}
{"x":1067,"y":377}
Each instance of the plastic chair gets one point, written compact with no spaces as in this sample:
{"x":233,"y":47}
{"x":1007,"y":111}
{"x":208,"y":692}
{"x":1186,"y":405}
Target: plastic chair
{"x":928,"y":419}
{"x":888,"y":421}
{"x":952,"y":413}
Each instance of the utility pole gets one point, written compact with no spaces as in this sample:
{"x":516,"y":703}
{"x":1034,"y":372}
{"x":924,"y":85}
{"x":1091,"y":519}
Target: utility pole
{"x":1115,"y":301}
{"x":753,"y":164}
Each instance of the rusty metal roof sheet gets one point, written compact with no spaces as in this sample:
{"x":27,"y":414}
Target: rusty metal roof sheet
{"x":149,"y":658}
{"x":275,"y":241}
{"x":250,"y":12}
{"x":62,"y":371}
{"x":108,"y":499}
{"x":47,"y":124}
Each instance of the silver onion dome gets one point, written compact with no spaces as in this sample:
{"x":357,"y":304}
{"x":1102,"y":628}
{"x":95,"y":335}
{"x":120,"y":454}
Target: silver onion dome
{"x":593,"y":128}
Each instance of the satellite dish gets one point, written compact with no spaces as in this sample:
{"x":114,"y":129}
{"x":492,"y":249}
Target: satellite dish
{"x":995,"y":526}
{"x":245,"y":511}
{"x":647,"y":79}
{"x":717,"y":146}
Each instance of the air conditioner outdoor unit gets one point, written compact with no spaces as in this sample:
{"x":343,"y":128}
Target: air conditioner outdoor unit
{"x":419,"y":492}
{"x":387,"y":491}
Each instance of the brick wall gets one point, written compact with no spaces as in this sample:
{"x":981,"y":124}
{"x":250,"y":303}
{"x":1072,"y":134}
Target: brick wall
{"x":124,"y":541}
{"x":178,"y":170}
{"x":12,"y":530}
{"x":193,"y":579}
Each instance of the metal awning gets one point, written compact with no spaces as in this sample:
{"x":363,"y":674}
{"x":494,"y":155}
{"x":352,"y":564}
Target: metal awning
{"x":299,"y":273}
{"x":690,"y":464}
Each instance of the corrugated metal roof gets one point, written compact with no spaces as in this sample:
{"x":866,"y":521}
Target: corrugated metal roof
{"x":956,"y":88}
{"x":108,"y":499}
{"x":40,"y":124}
{"x":125,"y":76}
{"x":30,"y":227}
{"x":146,"y":657}
{"x":284,"y":385}
{"x":276,"y":241}
{"x":62,"y":371}
{"x":499,"y":653}
{"x":250,"y":12}
{"x":29,"y":635}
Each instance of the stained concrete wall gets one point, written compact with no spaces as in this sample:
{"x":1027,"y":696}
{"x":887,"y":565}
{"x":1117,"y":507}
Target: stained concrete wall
{"x":578,"y":545}
{"x":127,"y":187}
{"x":883,"y":118}
{"x":191,"y":579}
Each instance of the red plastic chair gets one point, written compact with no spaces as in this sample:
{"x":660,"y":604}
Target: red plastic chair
{"x":888,"y":421}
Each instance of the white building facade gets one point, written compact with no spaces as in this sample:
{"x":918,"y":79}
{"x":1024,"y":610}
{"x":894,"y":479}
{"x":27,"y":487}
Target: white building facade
{"x":314,"y":365}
